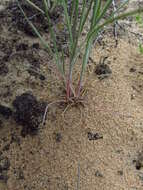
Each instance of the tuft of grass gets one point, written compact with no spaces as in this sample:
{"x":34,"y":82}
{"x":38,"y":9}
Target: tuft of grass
{"x":92,"y":12}
{"x":139,"y":20}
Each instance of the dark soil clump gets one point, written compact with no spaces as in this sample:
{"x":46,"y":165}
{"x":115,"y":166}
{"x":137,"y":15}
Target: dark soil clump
{"x":94,"y":136}
{"x":22,"y":47}
{"x":28,"y":113}
{"x":103,"y":70}
{"x":35,"y":16}
{"x":139,"y":161}
{"x":5,"y":111}
{"x":3,"y":69}
{"x":4,"y":166}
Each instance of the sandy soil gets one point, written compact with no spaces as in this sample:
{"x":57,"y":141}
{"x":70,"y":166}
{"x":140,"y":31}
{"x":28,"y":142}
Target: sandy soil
{"x":99,"y":145}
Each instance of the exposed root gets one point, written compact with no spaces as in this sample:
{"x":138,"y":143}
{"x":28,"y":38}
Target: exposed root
{"x":73,"y":101}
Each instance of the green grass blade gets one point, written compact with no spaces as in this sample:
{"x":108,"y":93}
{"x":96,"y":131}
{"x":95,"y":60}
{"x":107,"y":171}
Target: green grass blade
{"x":35,"y":30}
{"x":35,"y":6}
{"x":104,"y":10}
{"x":96,"y":12}
{"x":78,"y":34}
{"x":111,"y":20}
{"x":72,"y":11}
{"x":69,"y":27}
{"x":119,"y":8}
{"x":84,"y":17}
{"x":75,"y":19}
{"x":82,"y":21}
{"x":84,"y":63}
{"x":56,"y":56}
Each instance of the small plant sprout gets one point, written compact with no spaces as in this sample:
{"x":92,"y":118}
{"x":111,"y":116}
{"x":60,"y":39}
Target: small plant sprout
{"x":93,"y":12}
{"x":139,"y":20}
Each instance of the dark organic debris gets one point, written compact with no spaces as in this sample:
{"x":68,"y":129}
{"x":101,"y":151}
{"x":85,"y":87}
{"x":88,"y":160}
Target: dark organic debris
{"x":3,"y":68}
{"x":42,"y":77}
{"x":35,"y":45}
{"x":3,"y":176}
{"x":4,"y":163}
{"x":36,"y":74}
{"x":35,"y":16}
{"x":6,"y":147}
{"x":6,"y":48}
{"x":98,"y":173}
{"x":4,"y":166}
{"x":1,"y":123}
{"x":139,"y":161}
{"x":94,"y":136}
{"x":22,"y":47}
{"x":58,"y":137}
{"x":132,"y":70}
{"x":103,"y":70}
{"x":5,"y":111}
{"x":15,"y":139}
{"x":28,"y":113}
{"x":120,"y":172}
{"x":19,"y":174}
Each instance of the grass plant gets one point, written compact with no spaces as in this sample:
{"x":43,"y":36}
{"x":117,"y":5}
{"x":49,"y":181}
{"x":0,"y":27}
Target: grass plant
{"x":93,"y":12}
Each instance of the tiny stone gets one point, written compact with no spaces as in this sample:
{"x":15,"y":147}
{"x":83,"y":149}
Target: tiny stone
{"x":4,"y":163}
{"x":98,"y":174}
{"x":5,"y":111}
{"x":94,"y":136}
{"x":35,"y":45}
{"x":120,"y":172}
{"x":42,"y":77}
{"x":132,"y":70}
{"x":58,"y":137}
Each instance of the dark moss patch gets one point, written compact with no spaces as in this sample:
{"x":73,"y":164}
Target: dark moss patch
{"x":28,"y":113}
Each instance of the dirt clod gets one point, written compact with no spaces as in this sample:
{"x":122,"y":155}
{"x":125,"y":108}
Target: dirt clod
{"x":19,"y":174}
{"x":139,"y":161}
{"x":103,"y":69}
{"x":3,"y":69}
{"x":3,"y":176}
{"x":1,"y":123}
{"x":58,"y":137}
{"x":94,"y":136}
{"x":4,"y":163}
{"x":120,"y":172}
{"x":28,"y":113}
{"x":5,"y":111}
{"x":34,"y":16}
{"x":132,"y":70}
{"x":35,"y":45}
{"x":22,"y":46}
{"x":98,"y":173}
{"x":4,"y":166}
